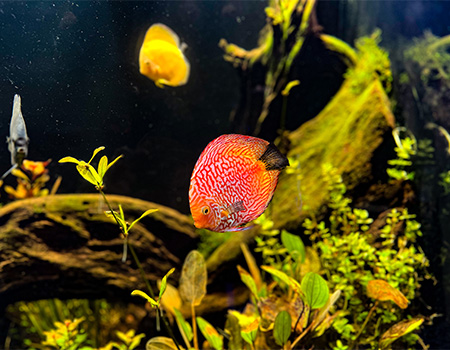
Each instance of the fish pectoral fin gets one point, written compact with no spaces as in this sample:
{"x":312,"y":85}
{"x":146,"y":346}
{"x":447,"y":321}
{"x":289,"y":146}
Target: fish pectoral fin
{"x":234,"y":208}
{"x":8,"y":172}
{"x":161,"y":83}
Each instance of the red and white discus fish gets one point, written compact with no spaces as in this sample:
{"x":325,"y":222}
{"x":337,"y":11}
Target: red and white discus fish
{"x":233,"y":181}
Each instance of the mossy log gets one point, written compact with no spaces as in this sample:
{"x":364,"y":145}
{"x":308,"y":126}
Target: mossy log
{"x":346,"y":134}
{"x":64,"y":246}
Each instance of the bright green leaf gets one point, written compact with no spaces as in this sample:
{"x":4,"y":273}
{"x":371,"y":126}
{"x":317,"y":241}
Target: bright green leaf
{"x":193,"y":278}
{"x":398,"y":330}
{"x":88,"y":172}
{"x":294,"y":245}
{"x":284,"y":278}
{"x":122,"y":336}
{"x":147,"y":212}
{"x":160,"y":343}
{"x":210,"y":333}
{"x":101,"y":148}
{"x":102,"y":165}
{"x":282,"y":328}
{"x":122,"y":215}
{"x":152,"y":302}
{"x":248,"y":281}
{"x":183,"y":325}
{"x":250,"y":332}
{"x":315,"y":290}
{"x":116,"y":215}
{"x":69,"y":160}
{"x":112,"y":163}
{"x":136,"y":341}
{"x":162,"y":289}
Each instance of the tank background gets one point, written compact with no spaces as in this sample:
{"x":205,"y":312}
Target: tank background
{"x":75,"y":66}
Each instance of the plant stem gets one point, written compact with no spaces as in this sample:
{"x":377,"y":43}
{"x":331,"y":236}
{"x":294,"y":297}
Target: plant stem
{"x":364,"y":324}
{"x":302,"y":335}
{"x":141,"y":271}
{"x":194,"y":327}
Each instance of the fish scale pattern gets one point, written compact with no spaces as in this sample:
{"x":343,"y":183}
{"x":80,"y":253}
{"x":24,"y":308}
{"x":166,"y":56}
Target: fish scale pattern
{"x":229,"y":171}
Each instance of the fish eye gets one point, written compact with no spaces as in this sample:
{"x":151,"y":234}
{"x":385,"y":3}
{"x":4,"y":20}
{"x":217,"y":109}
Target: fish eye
{"x":205,"y":210}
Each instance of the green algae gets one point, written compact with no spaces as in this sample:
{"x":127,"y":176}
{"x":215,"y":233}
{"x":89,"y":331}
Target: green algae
{"x":344,"y":134}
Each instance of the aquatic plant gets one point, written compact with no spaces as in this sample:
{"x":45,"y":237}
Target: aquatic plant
{"x":32,"y":319}
{"x":31,"y":180}
{"x":346,"y":133}
{"x":95,"y":177}
{"x":352,"y":254}
{"x":431,"y":56}
{"x":405,"y":150}
{"x":279,"y":44}
{"x":190,"y":292}
{"x":66,"y":336}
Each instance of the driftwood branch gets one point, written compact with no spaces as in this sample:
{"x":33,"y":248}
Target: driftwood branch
{"x":64,"y":246}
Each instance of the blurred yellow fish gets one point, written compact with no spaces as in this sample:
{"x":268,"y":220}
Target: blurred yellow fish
{"x":161,"y":57}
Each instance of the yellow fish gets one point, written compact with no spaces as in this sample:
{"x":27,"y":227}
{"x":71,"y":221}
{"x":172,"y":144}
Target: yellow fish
{"x":161,"y":57}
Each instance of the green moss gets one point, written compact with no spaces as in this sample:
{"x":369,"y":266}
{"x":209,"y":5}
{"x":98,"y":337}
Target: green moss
{"x":431,"y":56}
{"x":345,"y":134}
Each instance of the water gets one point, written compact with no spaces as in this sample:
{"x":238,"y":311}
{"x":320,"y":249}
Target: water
{"x":75,"y":66}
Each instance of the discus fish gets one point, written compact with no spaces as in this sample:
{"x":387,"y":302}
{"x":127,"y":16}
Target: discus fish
{"x":233,"y":182}
{"x":161,"y":57}
{"x":18,"y":139}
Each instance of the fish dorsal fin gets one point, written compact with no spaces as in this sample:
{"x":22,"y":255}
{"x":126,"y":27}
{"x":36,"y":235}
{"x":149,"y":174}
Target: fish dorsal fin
{"x":159,"y":31}
{"x":273,"y":159}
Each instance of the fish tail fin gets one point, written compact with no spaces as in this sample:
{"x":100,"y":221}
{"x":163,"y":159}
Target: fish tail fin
{"x":273,"y":159}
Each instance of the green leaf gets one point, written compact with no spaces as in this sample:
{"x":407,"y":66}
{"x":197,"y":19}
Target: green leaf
{"x":162,"y":289}
{"x":284,"y":278}
{"x":112,"y":163}
{"x":101,"y":148}
{"x":315,"y":290}
{"x":116,"y":215}
{"x":282,"y":327}
{"x":122,"y":215}
{"x":294,"y":245}
{"x":250,"y":332}
{"x":122,"y":336}
{"x":210,"y":333}
{"x":399,"y":330}
{"x":152,"y":302}
{"x":69,"y":160}
{"x":102,"y":166}
{"x":248,"y":281}
{"x":183,"y":325}
{"x":88,"y":172}
{"x":147,"y":212}
{"x":193,"y":278}
{"x":234,"y":330}
{"x":136,"y":341}
{"x":160,"y":343}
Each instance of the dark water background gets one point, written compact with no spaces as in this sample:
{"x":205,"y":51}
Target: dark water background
{"x":75,"y":65}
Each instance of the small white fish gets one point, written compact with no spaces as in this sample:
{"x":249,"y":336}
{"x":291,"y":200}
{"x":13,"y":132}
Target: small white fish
{"x":18,"y":138}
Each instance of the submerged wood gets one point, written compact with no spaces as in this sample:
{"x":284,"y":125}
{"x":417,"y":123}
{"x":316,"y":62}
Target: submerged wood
{"x":348,"y":134}
{"x":64,"y":246}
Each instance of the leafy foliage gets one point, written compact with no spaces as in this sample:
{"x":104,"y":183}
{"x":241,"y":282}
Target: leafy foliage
{"x":352,"y":257}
